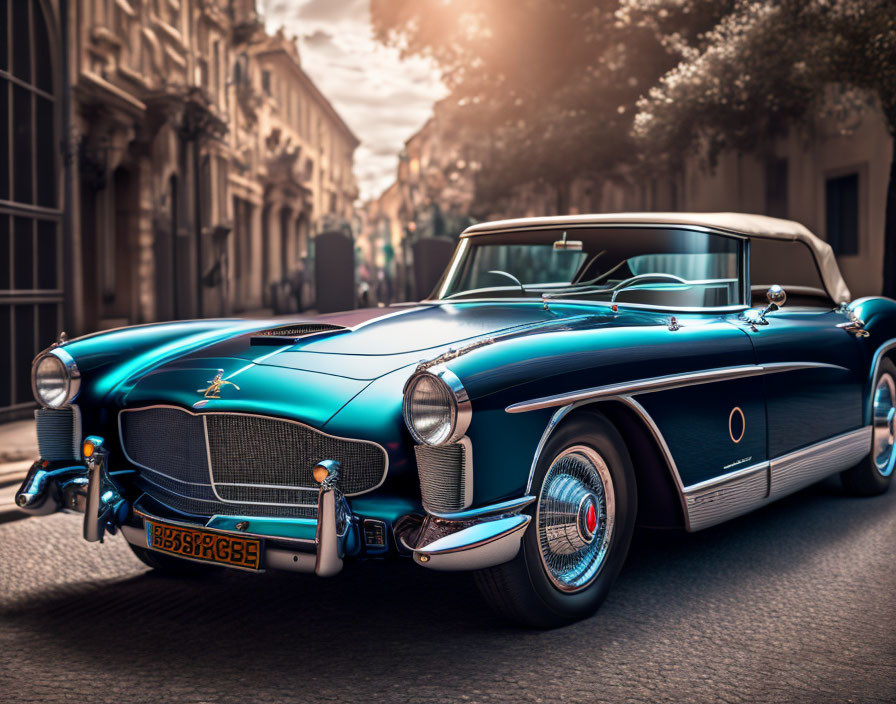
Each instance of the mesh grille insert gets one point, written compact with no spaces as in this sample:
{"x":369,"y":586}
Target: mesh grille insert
{"x":442,"y":476}
{"x":290,"y":333}
{"x":58,"y":433}
{"x":261,"y":450}
{"x":259,"y":465}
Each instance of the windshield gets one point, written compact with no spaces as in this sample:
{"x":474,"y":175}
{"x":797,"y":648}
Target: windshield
{"x":667,"y":267}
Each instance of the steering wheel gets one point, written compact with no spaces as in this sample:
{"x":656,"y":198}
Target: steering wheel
{"x":644,"y":278}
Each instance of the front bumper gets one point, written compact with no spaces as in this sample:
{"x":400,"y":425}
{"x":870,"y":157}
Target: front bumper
{"x":467,"y":540}
{"x":471,"y":540}
{"x":89,"y":488}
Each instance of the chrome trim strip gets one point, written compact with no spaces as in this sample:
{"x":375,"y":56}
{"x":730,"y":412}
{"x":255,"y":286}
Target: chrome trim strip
{"x":220,"y":501}
{"x":664,"y":383}
{"x":467,"y":444}
{"x":644,"y":415}
{"x":552,"y":423}
{"x":143,"y":514}
{"x":510,"y":506}
{"x":797,"y":470}
{"x":270,"y":486}
{"x":721,"y":498}
{"x":254,"y":415}
{"x":586,"y":302}
{"x":724,"y":478}
{"x":530,"y":224}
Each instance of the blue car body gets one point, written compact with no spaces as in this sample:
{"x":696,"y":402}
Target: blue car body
{"x":721,"y":412}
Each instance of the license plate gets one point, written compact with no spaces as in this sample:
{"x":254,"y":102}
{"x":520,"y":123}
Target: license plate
{"x":219,"y":548}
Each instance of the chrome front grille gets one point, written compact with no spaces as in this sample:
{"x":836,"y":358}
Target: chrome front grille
{"x":446,"y":476}
{"x":239,"y":464}
{"x":59,"y":433}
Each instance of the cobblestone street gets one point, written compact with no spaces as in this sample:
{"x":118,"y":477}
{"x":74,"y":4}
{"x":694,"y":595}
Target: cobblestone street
{"x":793,"y":603}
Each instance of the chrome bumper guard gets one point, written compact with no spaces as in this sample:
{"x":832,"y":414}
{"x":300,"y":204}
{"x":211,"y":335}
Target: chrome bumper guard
{"x":46,"y":491}
{"x":474,"y":539}
{"x":86,"y":488}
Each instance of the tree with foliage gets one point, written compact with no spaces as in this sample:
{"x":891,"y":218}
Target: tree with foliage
{"x":547,"y":87}
{"x":768,"y":66}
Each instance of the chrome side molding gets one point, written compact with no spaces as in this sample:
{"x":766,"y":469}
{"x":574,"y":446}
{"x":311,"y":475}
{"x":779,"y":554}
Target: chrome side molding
{"x":797,"y":470}
{"x":664,"y":383}
{"x":735,"y":494}
{"x":726,"y":497}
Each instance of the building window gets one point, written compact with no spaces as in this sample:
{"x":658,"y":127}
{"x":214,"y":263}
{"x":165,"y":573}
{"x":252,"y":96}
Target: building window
{"x":842,"y":213}
{"x":31,"y":295}
{"x":776,"y":187}
{"x":266,"y":82}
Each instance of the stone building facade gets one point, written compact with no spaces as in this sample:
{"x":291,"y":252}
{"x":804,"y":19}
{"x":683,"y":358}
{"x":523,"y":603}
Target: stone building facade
{"x":834,"y":182}
{"x":165,"y":159}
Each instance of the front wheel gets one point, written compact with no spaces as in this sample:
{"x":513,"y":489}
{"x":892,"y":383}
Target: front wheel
{"x":582,"y":523}
{"x":873,"y":474}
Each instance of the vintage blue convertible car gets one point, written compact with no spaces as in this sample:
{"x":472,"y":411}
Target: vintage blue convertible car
{"x":568,"y":378}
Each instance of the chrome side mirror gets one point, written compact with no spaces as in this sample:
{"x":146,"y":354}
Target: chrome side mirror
{"x":776,"y":297}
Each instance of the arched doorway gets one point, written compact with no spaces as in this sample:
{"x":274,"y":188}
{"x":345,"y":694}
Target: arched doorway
{"x":31,"y":283}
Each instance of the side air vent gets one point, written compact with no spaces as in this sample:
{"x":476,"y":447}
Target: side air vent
{"x":58,"y":433}
{"x":287,"y":334}
{"x":446,"y":476}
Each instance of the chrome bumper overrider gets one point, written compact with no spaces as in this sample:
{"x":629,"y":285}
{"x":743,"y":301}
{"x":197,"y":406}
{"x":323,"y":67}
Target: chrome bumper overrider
{"x":474,"y":539}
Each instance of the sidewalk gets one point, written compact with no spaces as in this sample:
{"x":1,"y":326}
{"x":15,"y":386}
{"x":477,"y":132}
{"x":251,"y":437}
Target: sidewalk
{"x":18,"y":450}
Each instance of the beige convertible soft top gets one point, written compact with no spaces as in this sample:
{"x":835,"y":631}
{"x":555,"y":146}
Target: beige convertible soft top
{"x":739,"y":223}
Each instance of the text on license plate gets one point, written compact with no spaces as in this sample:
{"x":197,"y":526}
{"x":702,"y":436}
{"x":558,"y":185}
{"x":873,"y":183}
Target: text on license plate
{"x":203,"y":545}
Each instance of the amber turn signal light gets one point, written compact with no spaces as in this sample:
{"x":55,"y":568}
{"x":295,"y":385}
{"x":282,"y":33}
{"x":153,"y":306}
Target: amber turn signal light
{"x":88,"y":448}
{"x":320,"y":473}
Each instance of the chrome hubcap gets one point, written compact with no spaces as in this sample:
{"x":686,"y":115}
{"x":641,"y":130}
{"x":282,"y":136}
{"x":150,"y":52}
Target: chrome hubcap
{"x":576,"y":514}
{"x":882,"y":448}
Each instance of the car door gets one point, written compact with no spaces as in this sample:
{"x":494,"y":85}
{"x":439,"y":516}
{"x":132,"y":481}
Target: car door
{"x":809,"y":405}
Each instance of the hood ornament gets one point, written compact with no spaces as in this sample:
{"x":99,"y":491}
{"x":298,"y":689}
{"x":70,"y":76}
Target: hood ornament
{"x":214,"y":389}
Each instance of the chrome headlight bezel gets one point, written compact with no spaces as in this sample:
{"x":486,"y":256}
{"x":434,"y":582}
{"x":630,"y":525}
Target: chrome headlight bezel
{"x":69,"y":375}
{"x":460,"y":412}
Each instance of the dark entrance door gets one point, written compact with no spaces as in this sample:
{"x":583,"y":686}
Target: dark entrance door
{"x":31,"y":297}
{"x":334,"y":272}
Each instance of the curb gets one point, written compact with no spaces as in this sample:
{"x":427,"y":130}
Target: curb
{"x":12,"y":474}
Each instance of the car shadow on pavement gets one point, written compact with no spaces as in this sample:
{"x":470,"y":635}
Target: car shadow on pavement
{"x":282,"y":631}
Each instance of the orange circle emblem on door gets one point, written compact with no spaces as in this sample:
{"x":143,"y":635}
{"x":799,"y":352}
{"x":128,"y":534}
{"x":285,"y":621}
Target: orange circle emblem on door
{"x":737,"y":425}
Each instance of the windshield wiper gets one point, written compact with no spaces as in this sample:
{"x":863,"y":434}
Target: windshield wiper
{"x":509,"y":276}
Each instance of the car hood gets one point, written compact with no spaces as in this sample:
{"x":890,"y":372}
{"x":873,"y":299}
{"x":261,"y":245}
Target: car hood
{"x":315,"y":377}
{"x":371,"y":343}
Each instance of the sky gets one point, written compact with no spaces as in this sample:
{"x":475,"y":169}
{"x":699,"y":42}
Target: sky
{"x":383,"y":99}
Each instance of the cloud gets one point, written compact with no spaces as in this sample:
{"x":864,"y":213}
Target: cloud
{"x":331,"y":10}
{"x":381,"y":97}
{"x":318,"y":39}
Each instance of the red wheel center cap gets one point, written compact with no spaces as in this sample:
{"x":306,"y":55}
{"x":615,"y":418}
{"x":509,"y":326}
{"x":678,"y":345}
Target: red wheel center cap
{"x":591,"y":518}
{"x":587,"y":521}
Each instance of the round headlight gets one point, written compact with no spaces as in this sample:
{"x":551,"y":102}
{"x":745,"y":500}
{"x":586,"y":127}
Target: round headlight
{"x":436,"y":409}
{"x":54,"y":379}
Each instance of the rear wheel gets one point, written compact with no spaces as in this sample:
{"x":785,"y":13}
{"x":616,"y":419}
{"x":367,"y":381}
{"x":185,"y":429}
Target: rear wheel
{"x":873,"y":474}
{"x":169,"y":565}
{"x":582,"y":523}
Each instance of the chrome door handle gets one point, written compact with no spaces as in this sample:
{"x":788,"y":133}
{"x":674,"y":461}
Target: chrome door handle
{"x":855,"y":325}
